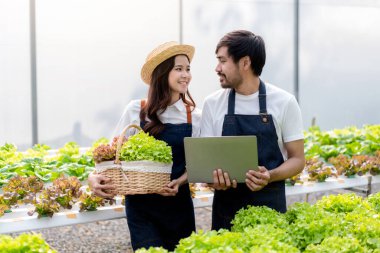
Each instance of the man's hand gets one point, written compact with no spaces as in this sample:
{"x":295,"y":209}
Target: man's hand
{"x":101,"y":186}
{"x":222,"y":180}
{"x":256,"y":180}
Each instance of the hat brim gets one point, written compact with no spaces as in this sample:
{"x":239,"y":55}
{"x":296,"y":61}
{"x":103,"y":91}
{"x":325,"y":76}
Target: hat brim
{"x":151,"y":64}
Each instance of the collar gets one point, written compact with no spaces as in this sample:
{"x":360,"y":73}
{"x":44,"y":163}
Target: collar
{"x":179,"y":105}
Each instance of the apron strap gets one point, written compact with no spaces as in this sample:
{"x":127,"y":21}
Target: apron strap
{"x":262,"y":102}
{"x":188,"y":113}
{"x":142,"y":113}
{"x":262,"y":98}
{"x":231,"y":102}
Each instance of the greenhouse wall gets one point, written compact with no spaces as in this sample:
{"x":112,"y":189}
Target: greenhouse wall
{"x":89,"y":54}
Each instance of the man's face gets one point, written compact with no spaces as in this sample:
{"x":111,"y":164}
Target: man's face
{"x":227,"y":70}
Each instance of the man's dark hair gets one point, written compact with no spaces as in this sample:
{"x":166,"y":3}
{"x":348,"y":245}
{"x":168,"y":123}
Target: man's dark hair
{"x":242,"y":43}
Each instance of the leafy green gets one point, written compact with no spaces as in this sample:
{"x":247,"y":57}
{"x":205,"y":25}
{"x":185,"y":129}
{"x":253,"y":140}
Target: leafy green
{"x":317,"y":170}
{"x":46,"y":204}
{"x":95,"y":144}
{"x":69,"y":149}
{"x":310,"y":225}
{"x":74,"y":169}
{"x":142,"y":146}
{"x":342,"y":203}
{"x":9,"y":154}
{"x":38,"y":150}
{"x":374,"y":200}
{"x":90,"y":202}
{"x":364,"y":225}
{"x":20,"y":188}
{"x":104,"y":152}
{"x":68,"y":190}
{"x":336,"y":244}
{"x":35,"y":162}
{"x":348,"y":141}
{"x":3,"y":207}
{"x":297,"y":210}
{"x":152,"y":250}
{"x":8,"y":199}
{"x":251,"y":240}
{"x":24,"y":243}
{"x":254,"y":215}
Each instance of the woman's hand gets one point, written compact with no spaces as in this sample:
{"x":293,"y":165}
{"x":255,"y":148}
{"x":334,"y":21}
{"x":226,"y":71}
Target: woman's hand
{"x":256,"y":180}
{"x":101,"y":186}
{"x":222,"y":180}
{"x":171,"y":189}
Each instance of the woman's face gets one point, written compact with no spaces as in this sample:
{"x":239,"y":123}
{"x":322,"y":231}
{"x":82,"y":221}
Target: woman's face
{"x":179,"y":76}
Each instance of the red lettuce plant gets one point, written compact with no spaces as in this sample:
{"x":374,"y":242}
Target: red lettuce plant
{"x":104,"y":152}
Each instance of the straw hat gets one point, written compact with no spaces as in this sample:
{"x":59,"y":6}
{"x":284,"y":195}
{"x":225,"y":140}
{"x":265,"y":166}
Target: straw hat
{"x":162,"y":53}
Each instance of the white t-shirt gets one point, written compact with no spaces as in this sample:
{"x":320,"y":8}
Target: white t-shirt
{"x":174,"y":114}
{"x":281,"y":105}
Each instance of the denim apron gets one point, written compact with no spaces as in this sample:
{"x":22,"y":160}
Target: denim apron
{"x":227,"y":203}
{"x":156,"y":220}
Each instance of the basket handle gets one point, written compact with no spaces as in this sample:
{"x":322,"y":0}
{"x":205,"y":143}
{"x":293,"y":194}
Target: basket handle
{"x":120,"y":140}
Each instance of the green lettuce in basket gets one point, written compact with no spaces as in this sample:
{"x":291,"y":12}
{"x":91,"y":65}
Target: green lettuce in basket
{"x":143,"y":147}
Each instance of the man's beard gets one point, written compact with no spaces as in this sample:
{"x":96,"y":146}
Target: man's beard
{"x":230,"y":84}
{"x":226,"y":85}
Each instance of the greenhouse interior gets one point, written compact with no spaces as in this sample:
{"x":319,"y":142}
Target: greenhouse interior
{"x":98,"y":129}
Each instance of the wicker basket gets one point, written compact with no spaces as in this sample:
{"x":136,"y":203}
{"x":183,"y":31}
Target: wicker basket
{"x":140,"y":177}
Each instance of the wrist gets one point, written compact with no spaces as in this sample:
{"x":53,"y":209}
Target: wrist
{"x":271,"y":176}
{"x":182,"y":181}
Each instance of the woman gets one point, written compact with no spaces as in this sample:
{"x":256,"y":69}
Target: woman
{"x":168,"y":114}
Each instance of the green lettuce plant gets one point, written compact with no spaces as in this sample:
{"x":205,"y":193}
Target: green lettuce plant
{"x":364,"y":225}
{"x":24,"y":243}
{"x":310,"y":225}
{"x":337,"y":244}
{"x":251,"y":240}
{"x":38,"y":150}
{"x":374,"y":201}
{"x":255,"y":215}
{"x":152,"y":250}
{"x":142,"y":147}
{"x":342,"y":203}
{"x":9,"y":154}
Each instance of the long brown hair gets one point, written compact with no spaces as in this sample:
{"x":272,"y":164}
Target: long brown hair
{"x":159,"y":97}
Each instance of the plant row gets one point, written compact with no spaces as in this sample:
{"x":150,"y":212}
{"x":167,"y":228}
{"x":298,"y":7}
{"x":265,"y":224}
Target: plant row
{"x":348,"y":141}
{"x":47,"y":200}
{"x":347,"y":151}
{"x":342,"y":165}
{"x":336,"y":223}
{"x":37,"y":162}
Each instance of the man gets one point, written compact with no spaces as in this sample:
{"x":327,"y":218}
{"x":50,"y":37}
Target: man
{"x":248,"y":106}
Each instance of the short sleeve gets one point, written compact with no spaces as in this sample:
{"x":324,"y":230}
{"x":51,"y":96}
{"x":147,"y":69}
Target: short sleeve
{"x":292,"y":126}
{"x":206,"y":122}
{"x":131,"y":115}
{"x":196,"y":115}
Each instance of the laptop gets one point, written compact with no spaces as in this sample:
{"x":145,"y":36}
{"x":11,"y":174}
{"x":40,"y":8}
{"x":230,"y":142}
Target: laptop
{"x":233,"y":154}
